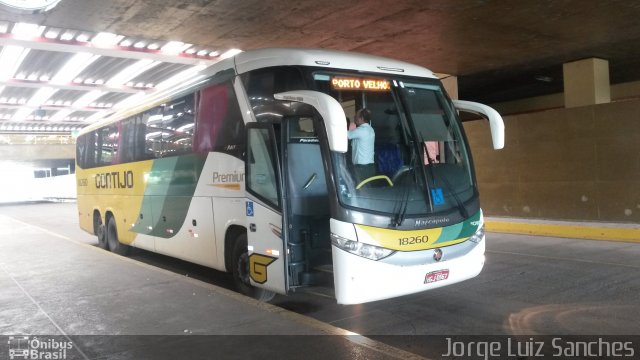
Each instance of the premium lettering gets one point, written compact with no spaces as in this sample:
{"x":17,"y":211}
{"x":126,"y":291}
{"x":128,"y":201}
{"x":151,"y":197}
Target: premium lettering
{"x":228,"y":177}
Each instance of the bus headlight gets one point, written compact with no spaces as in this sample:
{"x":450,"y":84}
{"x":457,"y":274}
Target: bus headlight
{"x":479,"y":235}
{"x":357,"y":248}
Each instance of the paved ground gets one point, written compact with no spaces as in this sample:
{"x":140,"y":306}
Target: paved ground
{"x":530,"y":285}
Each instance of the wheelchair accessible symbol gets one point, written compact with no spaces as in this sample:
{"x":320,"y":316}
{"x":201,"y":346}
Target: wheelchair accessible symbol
{"x":249,"y":208}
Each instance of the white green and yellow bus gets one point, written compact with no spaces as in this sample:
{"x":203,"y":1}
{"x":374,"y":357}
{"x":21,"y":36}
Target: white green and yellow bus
{"x":247,"y":169}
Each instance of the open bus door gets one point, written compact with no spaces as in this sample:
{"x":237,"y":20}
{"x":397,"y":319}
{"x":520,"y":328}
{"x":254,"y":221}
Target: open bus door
{"x":287,"y":205}
{"x":266,"y":242}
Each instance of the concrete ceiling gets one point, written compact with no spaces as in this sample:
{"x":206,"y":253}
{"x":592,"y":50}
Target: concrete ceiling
{"x":497,"y":48}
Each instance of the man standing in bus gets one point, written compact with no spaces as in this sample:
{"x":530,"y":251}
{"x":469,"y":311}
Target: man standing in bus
{"x":362,"y":145}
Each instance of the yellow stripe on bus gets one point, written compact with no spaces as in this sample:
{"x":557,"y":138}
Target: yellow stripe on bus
{"x":234,"y":186}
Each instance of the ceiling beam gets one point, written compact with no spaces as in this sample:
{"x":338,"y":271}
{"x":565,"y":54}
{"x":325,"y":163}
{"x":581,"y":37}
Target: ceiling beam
{"x":73,"y":86}
{"x":42,"y":43}
{"x":52,"y":108}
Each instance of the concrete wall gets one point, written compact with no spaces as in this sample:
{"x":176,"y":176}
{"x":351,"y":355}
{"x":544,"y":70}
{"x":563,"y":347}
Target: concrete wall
{"x":622,"y":91}
{"x":30,"y":152}
{"x":565,"y":164}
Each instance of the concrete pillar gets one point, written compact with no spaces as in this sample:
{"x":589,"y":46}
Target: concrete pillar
{"x":586,"y":82}
{"x":450,"y":84}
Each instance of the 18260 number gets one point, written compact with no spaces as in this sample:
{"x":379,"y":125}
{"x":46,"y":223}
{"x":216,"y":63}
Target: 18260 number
{"x":413,"y":240}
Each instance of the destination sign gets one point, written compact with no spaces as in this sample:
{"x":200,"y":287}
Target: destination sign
{"x":347,"y":83}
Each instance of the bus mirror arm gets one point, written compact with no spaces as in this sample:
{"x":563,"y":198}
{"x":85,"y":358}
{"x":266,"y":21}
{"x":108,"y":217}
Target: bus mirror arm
{"x":495,"y":120}
{"x":331,"y":112}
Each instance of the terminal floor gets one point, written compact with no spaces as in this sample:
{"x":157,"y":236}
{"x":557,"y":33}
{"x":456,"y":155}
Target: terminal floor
{"x":530,"y":286}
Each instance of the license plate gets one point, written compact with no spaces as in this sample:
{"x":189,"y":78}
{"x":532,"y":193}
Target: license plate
{"x":436,"y":276}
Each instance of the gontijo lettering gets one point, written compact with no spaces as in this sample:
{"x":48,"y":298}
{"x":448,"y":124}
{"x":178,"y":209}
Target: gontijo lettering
{"x":115,"y":180}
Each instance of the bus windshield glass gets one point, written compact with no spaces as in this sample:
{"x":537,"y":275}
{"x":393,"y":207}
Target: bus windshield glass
{"x":408,"y":156}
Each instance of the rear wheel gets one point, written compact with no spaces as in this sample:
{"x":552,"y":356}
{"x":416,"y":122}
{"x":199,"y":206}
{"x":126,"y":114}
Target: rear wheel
{"x":112,"y":239}
{"x":240,"y":270}
{"x":101,"y":232}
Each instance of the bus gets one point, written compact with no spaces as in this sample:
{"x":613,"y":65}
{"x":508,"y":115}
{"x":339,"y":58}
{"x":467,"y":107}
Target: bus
{"x":247,"y":168}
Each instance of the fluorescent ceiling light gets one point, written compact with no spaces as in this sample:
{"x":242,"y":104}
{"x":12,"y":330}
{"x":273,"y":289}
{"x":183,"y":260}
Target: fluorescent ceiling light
{"x":26,"y":31}
{"x":153,"y":46}
{"x":131,"y":72}
{"x":41,"y":96}
{"x":203,"y":52}
{"x":106,"y":39}
{"x":31,"y":6}
{"x":82,"y":38}
{"x":73,"y":67}
{"x":139,"y":45}
{"x":60,"y":115}
{"x":21,"y":114}
{"x":97,"y":116}
{"x":184,"y":77}
{"x":67,"y":36}
{"x":10,"y":59}
{"x":174,"y":47}
{"x":88,"y":98}
{"x":129,"y":101}
{"x":52,"y":34}
{"x":230,"y":53}
{"x":125,"y":43}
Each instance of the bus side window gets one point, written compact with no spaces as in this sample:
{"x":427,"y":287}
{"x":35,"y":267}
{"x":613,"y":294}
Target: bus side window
{"x":178,"y":123}
{"x":261,"y":168}
{"x":220,"y":126}
{"x":107,"y":143}
{"x":81,"y":151}
{"x":261,"y":84}
{"x":152,"y":122}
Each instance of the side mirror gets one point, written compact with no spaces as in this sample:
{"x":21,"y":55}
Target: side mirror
{"x":331,"y":112}
{"x":495,"y":120}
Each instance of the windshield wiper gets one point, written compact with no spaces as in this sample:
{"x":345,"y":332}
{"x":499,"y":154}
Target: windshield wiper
{"x":404,"y":201}
{"x":460,"y":205}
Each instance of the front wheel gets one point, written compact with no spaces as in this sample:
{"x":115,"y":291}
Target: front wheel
{"x":240,"y":270}
{"x":112,"y":239}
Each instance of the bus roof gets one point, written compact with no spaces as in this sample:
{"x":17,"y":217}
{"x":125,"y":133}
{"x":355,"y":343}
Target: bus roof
{"x":261,"y":58}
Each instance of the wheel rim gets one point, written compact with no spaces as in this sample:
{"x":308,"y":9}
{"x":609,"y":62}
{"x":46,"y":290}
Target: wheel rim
{"x":243,"y":269}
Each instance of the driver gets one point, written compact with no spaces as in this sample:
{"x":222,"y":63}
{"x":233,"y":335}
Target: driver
{"x":362,"y":145}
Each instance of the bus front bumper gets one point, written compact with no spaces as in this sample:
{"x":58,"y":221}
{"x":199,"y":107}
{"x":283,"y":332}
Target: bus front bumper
{"x":359,"y":280}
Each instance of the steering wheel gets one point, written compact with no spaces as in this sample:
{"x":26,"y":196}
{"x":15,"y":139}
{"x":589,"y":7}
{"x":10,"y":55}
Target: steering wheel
{"x":374,"y":178}
{"x":401,"y":172}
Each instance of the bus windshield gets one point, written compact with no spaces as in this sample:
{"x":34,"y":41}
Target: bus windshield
{"x":420,"y":163}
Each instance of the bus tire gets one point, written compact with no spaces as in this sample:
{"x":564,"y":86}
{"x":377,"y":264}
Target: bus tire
{"x":112,"y":239}
{"x":101,"y":232}
{"x":240,"y":271}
